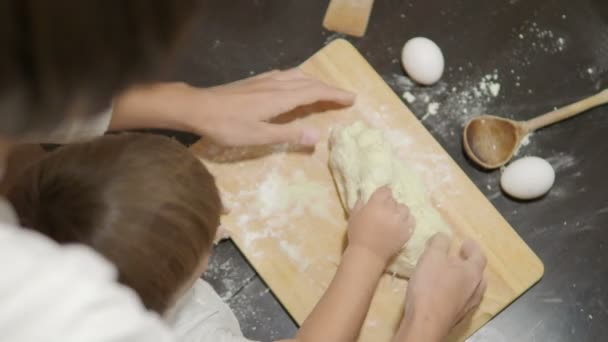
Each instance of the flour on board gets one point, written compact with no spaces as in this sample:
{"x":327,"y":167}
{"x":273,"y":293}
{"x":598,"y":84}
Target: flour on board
{"x":278,"y":200}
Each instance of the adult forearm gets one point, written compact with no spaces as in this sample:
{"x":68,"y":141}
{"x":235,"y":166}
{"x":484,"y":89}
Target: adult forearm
{"x":341,"y":311}
{"x":151,"y":106}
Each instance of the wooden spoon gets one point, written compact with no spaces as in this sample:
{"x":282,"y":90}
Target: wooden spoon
{"x":348,"y":16}
{"x":491,"y":141}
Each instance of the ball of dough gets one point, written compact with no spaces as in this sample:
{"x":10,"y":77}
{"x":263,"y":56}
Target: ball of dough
{"x":361,"y":160}
{"x":422,"y":60}
{"x":527,"y":178}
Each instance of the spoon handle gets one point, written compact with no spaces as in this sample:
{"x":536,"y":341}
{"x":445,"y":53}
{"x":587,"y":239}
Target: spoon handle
{"x":567,"y":112}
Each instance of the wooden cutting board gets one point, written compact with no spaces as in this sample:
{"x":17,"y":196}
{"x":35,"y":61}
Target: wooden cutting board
{"x":285,"y":214}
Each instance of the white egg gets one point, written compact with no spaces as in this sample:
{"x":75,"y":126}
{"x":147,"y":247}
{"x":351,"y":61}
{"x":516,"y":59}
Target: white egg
{"x":422,"y":60}
{"x":527,"y":178}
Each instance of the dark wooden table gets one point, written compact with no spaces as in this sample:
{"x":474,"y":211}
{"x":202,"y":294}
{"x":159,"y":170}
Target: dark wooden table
{"x":544,"y":53}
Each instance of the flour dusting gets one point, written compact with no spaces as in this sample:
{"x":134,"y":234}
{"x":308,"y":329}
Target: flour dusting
{"x":562,"y":162}
{"x":445,"y":108}
{"x":274,"y":203}
{"x":409,"y":97}
{"x":431,"y":109}
{"x":293,"y":252}
{"x":524,"y":142}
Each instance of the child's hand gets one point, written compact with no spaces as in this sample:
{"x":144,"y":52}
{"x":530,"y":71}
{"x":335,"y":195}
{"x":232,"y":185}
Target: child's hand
{"x":382,"y":226}
{"x":443,"y":289}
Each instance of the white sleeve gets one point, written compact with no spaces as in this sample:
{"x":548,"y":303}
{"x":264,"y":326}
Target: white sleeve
{"x":74,"y":129}
{"x":201,"y":315}
{"x":66,"y":294}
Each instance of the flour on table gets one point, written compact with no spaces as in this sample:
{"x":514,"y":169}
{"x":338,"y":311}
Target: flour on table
{"x":362,"y":160}
{"x":524,"y":142}
{"x":458,"y":102}
{"x":431,"y":109}
{"x":409,"y":97}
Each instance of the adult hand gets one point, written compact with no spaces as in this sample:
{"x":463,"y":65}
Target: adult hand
{"x":240,"y":111}
{"x":381,"y":227}
{"x":234,"y":114}
{"x":442,"y":290}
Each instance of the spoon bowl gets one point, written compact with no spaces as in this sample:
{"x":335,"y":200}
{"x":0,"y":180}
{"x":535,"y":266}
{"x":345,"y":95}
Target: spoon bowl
{"x":491,"y":141}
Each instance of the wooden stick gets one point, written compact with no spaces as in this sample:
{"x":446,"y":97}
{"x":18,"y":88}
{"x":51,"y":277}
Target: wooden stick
{"x":567,"y":112}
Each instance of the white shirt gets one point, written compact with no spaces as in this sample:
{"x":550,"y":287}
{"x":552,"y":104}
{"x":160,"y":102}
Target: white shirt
{"x":201,"y":315}
{"x":66,"y":294}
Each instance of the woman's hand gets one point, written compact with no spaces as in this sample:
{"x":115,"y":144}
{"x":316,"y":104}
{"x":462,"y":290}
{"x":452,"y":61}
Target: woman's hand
{"x":234,"y":114}
{"x":442,"y":290}
{"x":240,"y":111}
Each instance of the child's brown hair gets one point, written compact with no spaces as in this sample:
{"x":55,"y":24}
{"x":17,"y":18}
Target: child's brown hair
{"x":142,"y":201}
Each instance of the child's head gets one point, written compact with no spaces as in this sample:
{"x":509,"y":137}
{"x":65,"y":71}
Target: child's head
{"x":142,"y":201}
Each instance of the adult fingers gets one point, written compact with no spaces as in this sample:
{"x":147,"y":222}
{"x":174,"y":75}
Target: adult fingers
{"x":472,"y":253}
{"x":477,"y":295}
{"x":266,"y":74}
{"x":294,"y":133}
{"x":403,"y":211}
{"x":439,"y":242}
{"x":290,"y":74}
{"x":382,"y":194}
{"x":253,"y":79}
{"x":289,"y":99}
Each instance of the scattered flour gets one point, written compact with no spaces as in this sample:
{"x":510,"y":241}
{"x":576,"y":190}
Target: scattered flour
{"x":488,"y":85}
{"x":562,"y":162}
{"x":542,"y":39}
{"x":524,"y":142}
{"x":458,"y":102}
{"x":494,"y":89}
{"x":293,"y":252}
{"x":431,"y":109}
{"x":274,"y":203}
{"x":409,"y":97}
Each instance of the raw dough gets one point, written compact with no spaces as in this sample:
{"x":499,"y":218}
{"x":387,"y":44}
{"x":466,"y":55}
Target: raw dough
{"x":361,"y":161}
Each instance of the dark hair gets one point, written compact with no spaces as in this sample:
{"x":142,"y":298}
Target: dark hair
{"x":69,"y":57}
{"x":142,"y":201}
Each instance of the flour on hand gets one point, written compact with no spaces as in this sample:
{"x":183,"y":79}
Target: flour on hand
{"x":362,"y":160}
